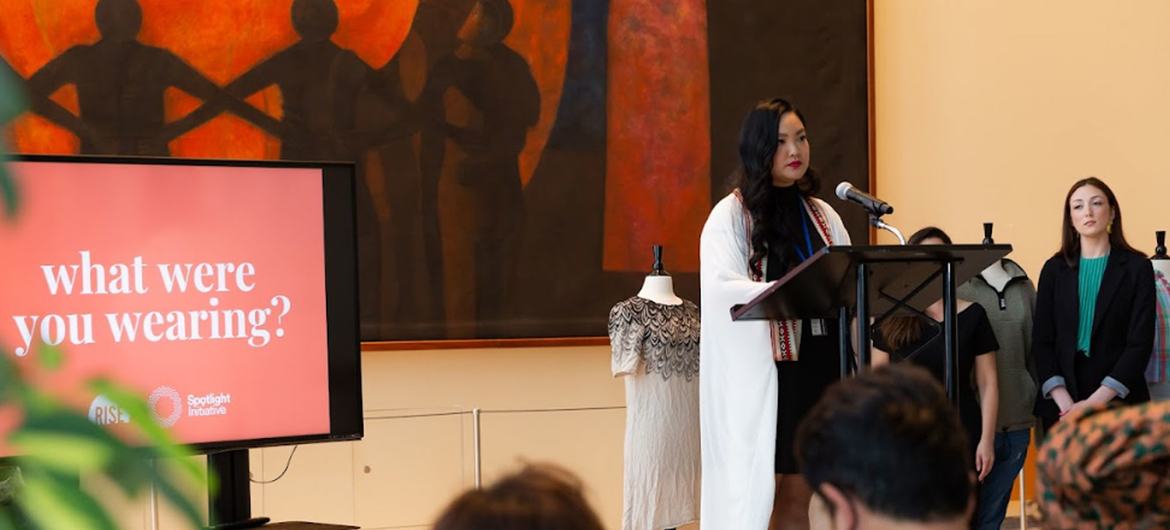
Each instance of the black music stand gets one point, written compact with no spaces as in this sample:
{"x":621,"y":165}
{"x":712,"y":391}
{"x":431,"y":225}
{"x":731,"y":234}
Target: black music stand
{"x":875,"y":279}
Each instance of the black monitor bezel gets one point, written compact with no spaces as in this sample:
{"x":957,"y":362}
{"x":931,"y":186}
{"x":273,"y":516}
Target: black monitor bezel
{"x":338,"y":186}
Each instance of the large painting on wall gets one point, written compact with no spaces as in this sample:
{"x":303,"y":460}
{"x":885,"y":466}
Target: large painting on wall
{"x":517,"y":159}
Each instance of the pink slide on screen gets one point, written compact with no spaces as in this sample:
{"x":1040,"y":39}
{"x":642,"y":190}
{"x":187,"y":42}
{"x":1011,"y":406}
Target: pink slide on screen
{"x":201,"y":287}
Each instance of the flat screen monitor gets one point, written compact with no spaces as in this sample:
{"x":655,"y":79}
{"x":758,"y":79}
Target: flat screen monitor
{"x":224,"y":292}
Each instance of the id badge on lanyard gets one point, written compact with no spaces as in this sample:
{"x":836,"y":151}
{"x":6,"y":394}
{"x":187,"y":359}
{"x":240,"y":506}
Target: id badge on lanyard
{"x":817,"y":324}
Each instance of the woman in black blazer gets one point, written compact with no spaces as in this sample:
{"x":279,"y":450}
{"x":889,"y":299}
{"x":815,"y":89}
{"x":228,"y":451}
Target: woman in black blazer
{"x":1094,"y":321}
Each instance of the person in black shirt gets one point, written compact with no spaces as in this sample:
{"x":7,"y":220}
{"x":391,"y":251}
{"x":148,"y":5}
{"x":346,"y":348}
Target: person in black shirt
{"x":918,"y":339}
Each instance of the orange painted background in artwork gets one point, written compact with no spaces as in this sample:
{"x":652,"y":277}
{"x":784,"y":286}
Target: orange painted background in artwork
{"x":224,"y":39}
{"x":658,"y":160}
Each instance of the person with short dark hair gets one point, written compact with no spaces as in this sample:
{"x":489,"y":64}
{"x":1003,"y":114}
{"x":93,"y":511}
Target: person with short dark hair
{"x":538,"y":497}
{"x":885,"y":449}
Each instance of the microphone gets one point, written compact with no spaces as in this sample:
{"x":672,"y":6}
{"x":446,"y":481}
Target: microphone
{"x":875,"y":206}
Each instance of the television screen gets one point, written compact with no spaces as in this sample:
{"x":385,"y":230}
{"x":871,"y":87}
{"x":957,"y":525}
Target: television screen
{"x":223,"y":292}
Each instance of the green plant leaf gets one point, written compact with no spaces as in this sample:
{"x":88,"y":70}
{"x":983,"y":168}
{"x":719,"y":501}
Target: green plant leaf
{"x":55,"y":443}
{"x":55,"y":500}
{"x":13,"y":518}
{"x":129,"y":472}
{"x":10,"y":381}
{"x":6,"y":515}
{"x":8,"y":193}
{"x":50,"y":357}
{"x":11,"y":105}
{"x":11,"y":95}
{"x":61,"y":451}
{"x":178,"y":499}
{"x":122,"y":463}
{"x":63,"y":421}
{"x":161,"y":443}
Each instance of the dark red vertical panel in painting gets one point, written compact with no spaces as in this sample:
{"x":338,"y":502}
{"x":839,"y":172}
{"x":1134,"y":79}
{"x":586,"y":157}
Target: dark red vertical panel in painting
{"x":658,"y":141}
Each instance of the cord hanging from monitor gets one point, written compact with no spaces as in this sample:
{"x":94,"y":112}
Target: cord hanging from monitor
{"x":281,"y":475}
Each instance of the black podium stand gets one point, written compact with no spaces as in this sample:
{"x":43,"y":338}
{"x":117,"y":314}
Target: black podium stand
{"x":875,"y":280}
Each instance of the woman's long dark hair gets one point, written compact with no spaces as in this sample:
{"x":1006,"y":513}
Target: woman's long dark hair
{"x":1070,"y":240}
{"x":758,"y":141}
{"x":901,"y":330}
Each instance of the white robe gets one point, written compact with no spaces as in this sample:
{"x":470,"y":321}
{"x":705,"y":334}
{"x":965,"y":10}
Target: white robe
{"x":738,"y":387}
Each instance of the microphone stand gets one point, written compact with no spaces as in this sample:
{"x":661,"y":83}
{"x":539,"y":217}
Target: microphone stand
{"x":876,"y":221}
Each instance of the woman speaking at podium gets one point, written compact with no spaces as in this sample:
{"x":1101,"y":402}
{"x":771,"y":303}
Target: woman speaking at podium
{"x":1093,"y":329}
{"x":759,"y":378}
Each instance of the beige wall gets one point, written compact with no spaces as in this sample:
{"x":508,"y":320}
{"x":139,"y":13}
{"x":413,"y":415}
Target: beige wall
{"x":407,"y":468}
{"x":990,"y":110}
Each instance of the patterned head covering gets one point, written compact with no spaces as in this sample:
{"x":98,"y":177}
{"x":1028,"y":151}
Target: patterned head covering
{"x":1108,"y":468}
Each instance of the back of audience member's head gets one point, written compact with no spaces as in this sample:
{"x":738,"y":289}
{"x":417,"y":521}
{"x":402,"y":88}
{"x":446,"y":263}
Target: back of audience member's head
{"x":887,"y":444}
{"x":1107,"y":468}
{"x":538,"y":497}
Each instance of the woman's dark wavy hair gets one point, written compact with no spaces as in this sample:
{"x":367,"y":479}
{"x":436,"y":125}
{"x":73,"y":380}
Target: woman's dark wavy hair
{"x":1070,"y":240}
{"x":900,"y":330}
{"x":758,"y":141}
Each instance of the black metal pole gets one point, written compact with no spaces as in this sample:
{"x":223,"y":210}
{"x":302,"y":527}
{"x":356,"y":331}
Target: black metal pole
{"x":843,"y":339}
{"x":231,"y":506}
{"x":950,"y":337}
{"x":862,"y":316}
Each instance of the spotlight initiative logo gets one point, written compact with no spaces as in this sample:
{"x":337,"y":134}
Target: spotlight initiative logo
{"x":168,"y":394}
{"x":211,"y":404}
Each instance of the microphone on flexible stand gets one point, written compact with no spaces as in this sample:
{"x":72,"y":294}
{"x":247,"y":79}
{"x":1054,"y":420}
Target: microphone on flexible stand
{"x":873,"y":205}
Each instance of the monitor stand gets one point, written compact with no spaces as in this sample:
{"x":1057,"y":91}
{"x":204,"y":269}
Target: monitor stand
{"x":230,"y":508}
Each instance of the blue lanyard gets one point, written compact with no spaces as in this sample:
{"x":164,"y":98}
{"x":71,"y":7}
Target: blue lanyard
{"x":807,"y":252}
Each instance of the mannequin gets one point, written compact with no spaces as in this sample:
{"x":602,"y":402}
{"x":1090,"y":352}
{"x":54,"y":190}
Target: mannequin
{"x":996,"y":276}
{"x":1157,"y":374}
{"x":1160,"y":260}
{"x":654,"y":337}
{"x":658,"y":286}
{"x":1008,"y":297}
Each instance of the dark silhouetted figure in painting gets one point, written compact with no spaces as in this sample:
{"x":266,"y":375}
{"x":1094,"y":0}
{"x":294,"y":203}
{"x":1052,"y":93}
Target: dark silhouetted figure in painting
{"x":404,"y":162}
{"x":49,"y":109}
{"x":487,"y":99}
{"x":120,"y":85}
{"x":320,"y":83}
